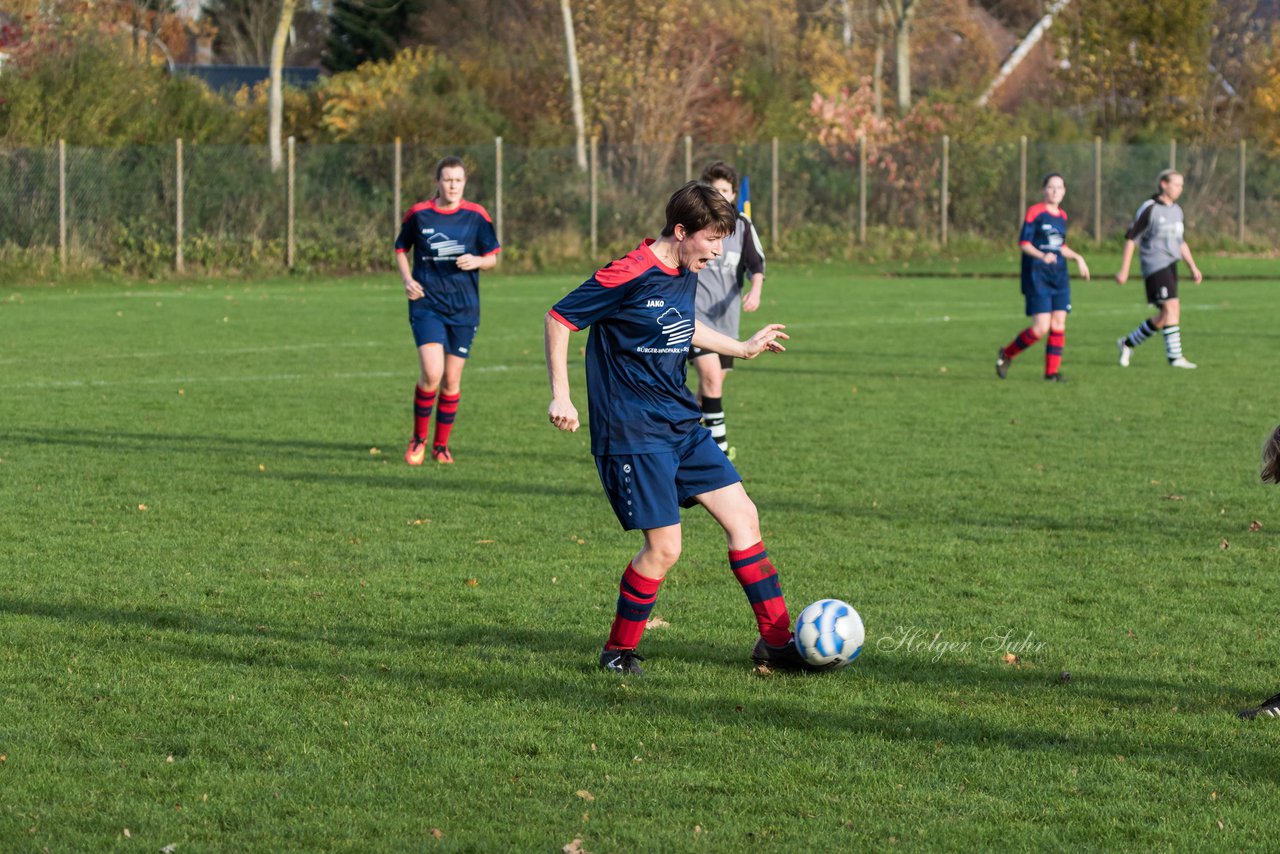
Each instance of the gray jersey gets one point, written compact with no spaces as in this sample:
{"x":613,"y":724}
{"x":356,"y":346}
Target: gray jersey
{"x":1158,"y":230}
{"x":718,"y":303}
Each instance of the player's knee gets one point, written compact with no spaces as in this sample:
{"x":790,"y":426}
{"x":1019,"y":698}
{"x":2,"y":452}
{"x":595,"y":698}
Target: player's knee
{"x":664,"y":554}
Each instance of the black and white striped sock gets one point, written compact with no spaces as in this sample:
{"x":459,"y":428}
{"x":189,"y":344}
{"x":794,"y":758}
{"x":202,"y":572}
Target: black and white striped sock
{"x":1144,"y":331}
{"x":1173,"y":342}
{"x":713,"y":420}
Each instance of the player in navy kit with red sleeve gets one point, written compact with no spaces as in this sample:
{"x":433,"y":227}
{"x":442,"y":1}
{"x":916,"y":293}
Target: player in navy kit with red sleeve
{"x":443,"y":245}
{"x":652,"y":453}
{"x":1046,"y":286}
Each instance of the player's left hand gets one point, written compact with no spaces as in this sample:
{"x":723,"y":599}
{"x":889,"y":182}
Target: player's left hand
{"x":751,"y":300}
{"x":768,"y":338}
{"x":1083,"y":267}
{"x":468,"y":262}
{"x":1196,"y":276}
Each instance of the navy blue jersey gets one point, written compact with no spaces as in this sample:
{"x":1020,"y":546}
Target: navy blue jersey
{"x":1047,"y":232}
{"x":436,"y":238}
{"x":641,"y":314}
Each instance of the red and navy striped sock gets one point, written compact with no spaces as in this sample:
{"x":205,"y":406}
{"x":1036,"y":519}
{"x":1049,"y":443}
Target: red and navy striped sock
{"x":759,"y":581}
{"x":1021,"y":341}
{"x":422,"y":403}
{"x":444,"y":418}
{"x":1053,"y":351}
{"x":636,"y":595}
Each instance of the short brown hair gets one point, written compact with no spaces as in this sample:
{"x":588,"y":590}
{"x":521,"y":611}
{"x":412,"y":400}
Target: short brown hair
{"x":697,"y":206}
{"x":1164,"y":176}
{"x":720,"y":171}
{"x":1271,"y":458}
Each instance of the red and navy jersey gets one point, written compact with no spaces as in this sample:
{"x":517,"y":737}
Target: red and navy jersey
{"x":1047,"y":232}
{"x":436,"y":238}
{"x":641,"y":314}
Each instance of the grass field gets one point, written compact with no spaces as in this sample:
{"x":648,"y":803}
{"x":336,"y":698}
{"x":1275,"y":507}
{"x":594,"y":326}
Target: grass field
{"x":231,"y":618}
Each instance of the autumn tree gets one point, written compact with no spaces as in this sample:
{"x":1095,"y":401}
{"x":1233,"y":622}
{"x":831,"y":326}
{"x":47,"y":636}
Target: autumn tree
{"x":1136,"y":67}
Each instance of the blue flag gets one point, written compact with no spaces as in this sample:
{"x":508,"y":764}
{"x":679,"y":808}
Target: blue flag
{"x":744,"y":198}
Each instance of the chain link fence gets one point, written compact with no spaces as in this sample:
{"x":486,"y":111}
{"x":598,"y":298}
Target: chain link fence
{"x":338,"y":207}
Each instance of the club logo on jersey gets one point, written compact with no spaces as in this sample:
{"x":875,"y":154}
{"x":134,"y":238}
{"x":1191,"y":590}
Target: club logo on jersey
{"x":442,"y":246}
{"x":676,"y":327}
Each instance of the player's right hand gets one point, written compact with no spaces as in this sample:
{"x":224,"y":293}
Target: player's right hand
{"x":1122,"y":277}
{"x":563,"y":415}
{"x":412,"y":289}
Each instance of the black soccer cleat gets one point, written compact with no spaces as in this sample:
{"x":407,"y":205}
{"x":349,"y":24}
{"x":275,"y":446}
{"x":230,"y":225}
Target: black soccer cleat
{"x":1054,"y":378}
{"x":1002,"y":364}
{"x":621,"y":661}
{"x":785,"y":657}
{"x":1268,"y":708}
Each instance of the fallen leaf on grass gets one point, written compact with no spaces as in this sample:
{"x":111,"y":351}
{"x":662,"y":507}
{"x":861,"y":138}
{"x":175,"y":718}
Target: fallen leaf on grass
{"x":1224,"y":545}
{"x":261,"y":467}
{"x":764,"y":670}
{"x":574,"y":847}
{"x":170,"y":848}
{"x":657,"y":623}
{"x":1255,"y":526}
{"x":420,"y":522}
{"x":472,"y":582}
{"x":585,"y":795}
{"x":127,"y":834}
{"x":169,"y":759}
{"x":142,"y":507}
{"x":485,"y":542}
{"x":1010,"y":658}
{"x":437,"y":833}
{"x":375,"y":451}
{"x":1175,"y":498}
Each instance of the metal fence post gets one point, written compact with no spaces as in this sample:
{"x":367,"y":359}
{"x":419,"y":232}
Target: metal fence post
{"x":397,"y":212}
{"x":1240,"y":210}
{"x":946,"y":168}
{"x":773,"y":199}
{"x":290,"y":204}
{"x":595,"y":207}
{"x":62,"y":203}
{"x":497,"y":144}
{"x":1097,"y":189}
{"x":178,"y":202}
{"x":688,"y":158}
{"x":1173,"y":154}
{"x":862,"y":188}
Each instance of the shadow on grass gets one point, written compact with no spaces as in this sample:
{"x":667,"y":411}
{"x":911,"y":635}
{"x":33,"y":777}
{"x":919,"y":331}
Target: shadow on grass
{"x":556,"y":666}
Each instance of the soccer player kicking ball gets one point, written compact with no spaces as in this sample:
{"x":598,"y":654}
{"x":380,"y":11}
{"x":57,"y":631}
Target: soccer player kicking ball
{"x":1157,"y":231}
{"x":652,"y":454}
{"x":1046,"y":285}
{"x":1270,"y":707}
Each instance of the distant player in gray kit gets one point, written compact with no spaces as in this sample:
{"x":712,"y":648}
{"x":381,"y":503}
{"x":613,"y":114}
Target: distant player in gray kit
{"x":1157,"y":231}
{"x":721,"y":299}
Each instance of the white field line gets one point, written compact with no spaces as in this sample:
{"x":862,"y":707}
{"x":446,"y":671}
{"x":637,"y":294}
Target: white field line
{"x":244,"y":378}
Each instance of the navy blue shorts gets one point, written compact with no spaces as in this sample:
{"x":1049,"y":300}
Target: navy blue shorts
{"x":647,"y":490}
{"x":1045,"y":300}
{"x":430,"y":327}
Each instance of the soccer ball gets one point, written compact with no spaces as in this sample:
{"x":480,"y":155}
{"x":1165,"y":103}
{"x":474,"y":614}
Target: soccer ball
{"x":829,"y":633}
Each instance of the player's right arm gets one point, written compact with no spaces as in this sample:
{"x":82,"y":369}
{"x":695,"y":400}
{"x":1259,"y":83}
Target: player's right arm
{"x":405,"y":243}
{"x":562,"y":413}
{"x":1125,"y":260}
{"x":412,"y":289}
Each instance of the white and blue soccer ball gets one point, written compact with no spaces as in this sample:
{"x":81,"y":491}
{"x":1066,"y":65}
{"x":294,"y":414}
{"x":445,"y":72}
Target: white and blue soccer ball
{"x":829,"y":633}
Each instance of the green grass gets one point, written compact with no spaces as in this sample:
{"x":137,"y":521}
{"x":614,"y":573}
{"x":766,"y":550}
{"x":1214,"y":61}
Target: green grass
{"x":301,"y":643}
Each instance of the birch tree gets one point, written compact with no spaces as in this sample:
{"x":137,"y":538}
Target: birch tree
{"x":276,"y":99}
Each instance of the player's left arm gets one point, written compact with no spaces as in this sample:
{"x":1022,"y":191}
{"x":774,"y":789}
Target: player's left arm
{"x":751,"y":299}
{"x":768,"y":338}
{"x":1072,"y":255}
{"x":1196,"y":276}
{"x":478,"y":262}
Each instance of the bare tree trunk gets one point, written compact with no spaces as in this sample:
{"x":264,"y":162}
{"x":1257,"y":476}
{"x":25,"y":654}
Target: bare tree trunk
{"x":877,"y":77}
{"x":276,"y":100}
{"x":575,"y":86}
{"x":902,"y":53}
